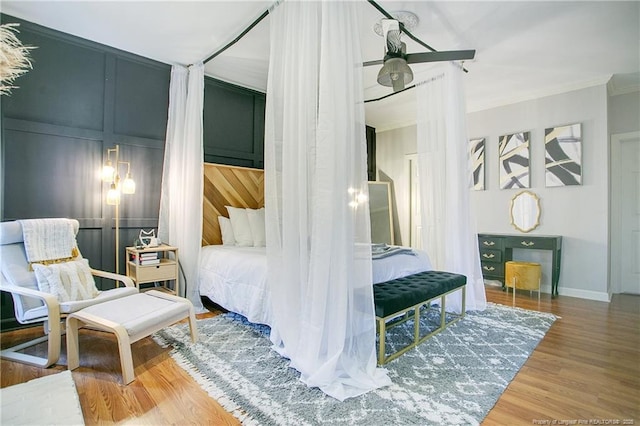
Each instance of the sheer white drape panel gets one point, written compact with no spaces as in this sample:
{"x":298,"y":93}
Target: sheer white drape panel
{"x":180,"y":221}
{"x":448,"y":225}
{"x":318,"y":234}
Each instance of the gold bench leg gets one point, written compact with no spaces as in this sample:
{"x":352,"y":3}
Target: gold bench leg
{"x":382,"y":326}
{"x":416,"y":324}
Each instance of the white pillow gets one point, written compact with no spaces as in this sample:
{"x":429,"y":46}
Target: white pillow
{"x":228,"y":239}
{"x":240,"y":225}
{"x":68,"y":281}
{"x":256,"y":223}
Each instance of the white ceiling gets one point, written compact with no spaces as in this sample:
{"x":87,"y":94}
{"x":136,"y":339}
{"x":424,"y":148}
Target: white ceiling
{"x":524,"y":50}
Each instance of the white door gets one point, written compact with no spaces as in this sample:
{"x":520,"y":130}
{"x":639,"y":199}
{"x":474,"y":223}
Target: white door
{"x":625,"y":213}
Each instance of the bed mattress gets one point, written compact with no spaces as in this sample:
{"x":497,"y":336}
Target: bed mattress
{"x":235,"y":277}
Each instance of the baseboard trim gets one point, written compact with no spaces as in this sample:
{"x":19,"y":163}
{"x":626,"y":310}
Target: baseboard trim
{"x":600,"y":296}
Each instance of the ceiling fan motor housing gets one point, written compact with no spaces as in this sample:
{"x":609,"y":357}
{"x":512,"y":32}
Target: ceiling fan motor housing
{"x":395,"y":72}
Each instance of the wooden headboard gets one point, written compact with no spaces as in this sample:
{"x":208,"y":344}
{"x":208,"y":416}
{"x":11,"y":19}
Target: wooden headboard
{"x":228,"y":186}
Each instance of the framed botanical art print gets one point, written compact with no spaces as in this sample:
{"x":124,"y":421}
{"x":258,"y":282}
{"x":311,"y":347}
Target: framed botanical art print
{"x":513,"y":150}
{"x":476,"y":155}
{"x":563,"y":155}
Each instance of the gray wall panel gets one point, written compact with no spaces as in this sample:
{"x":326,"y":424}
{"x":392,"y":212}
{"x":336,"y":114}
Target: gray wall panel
{"x":80,"y":99}
{"x":140,"y":109}
{"x":233,"y":124}
{"x":51,"y":176}
{"x":65,"y":86}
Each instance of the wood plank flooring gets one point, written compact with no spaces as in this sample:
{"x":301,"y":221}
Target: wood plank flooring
{"x":586,"y":370}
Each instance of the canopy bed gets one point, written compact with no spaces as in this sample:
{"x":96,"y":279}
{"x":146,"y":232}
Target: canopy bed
{"x":235,"y":276}
{"x":316,"y":224}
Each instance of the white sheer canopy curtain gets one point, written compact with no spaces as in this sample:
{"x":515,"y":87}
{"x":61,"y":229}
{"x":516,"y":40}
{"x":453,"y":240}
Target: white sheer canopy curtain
{"x":448,"y":223}
{"x":318,"y":236}
{"x":180,"y":221}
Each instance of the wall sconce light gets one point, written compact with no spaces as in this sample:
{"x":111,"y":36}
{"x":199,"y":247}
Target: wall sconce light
{"x":111,"y":175}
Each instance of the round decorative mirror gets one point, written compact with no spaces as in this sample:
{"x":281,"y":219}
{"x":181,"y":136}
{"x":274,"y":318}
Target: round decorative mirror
{"x":525,"y":211}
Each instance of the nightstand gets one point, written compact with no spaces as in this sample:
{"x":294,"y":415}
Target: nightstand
{"x":154,"y":265}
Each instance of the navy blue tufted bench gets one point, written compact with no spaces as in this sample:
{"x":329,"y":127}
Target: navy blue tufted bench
{"x":396,"y":298}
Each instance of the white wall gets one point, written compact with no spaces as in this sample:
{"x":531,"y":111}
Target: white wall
{"x":624,"y":113}
{"x":392,"y":148}
{"x":579,"y":213}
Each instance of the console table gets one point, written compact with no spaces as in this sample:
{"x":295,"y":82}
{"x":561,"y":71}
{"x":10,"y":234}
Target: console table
{"x":496,"y":249}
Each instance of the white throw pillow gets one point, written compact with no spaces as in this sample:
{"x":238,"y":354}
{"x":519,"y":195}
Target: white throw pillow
{"x":228,"y":239}
{"x":68,"y":281}
{"x":256,"y":223}
{"x":240,"y":225}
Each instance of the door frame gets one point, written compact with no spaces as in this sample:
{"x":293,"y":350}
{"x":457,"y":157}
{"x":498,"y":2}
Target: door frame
{"x":615,"y":213}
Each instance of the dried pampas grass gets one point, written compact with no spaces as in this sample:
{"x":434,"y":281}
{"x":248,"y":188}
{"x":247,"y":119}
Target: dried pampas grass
{"x":14,"y":57}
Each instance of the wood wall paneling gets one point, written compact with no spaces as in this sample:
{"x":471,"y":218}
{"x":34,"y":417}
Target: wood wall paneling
{"x":228,"y":186}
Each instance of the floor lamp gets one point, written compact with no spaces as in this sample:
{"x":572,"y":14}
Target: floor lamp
{"x":111,"y":175}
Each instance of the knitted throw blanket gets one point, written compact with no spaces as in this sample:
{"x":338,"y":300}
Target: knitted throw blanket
{"x":48,"y":240}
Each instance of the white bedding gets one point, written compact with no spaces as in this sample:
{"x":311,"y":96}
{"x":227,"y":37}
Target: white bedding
{"x":235,"y":277}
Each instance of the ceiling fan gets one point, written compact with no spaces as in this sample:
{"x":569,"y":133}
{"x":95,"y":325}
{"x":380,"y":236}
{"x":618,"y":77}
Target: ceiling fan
{"x":395,"y":71}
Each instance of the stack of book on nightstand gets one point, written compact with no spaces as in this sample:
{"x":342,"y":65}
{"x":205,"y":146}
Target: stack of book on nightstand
{"x":144,"y":258}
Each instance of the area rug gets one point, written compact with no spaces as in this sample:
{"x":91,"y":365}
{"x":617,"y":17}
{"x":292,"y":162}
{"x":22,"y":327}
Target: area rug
{"x":48,"y":400}
{"x":454,"y":378}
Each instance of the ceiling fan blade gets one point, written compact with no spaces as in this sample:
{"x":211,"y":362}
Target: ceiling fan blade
{"x":451,"y":55}
{"x":378,"y":62}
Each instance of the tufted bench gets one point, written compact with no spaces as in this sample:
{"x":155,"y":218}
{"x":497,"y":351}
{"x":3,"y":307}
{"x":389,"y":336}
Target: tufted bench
{"x":396,"y":298}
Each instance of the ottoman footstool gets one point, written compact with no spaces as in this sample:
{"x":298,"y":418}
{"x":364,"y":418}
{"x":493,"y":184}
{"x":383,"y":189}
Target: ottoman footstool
{"x":130,"y":318}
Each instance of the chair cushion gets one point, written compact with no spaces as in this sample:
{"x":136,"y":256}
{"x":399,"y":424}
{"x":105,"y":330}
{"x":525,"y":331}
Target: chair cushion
{"x":104,"y":296}
{"x":68,"y":281}
{"x":15,"y":268}
{"x":40,"y":313}
{"x":10,"y":232}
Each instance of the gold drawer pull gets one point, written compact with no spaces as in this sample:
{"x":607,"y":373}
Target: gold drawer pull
{"x":489,"y":243}
{"x":527,"y":244}
{"x":489,"y":268}
{"x":488,"y":256}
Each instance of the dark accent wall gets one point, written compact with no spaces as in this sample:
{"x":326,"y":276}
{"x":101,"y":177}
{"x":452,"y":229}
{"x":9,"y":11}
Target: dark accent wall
{"x":79,"y":99}
{"x":233,"y":124}
{"x":82,"y":98}
{"x":371,"y":153}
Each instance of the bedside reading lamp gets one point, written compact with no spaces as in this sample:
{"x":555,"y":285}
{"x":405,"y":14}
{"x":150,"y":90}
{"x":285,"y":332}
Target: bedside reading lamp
{"x":111,"y":175}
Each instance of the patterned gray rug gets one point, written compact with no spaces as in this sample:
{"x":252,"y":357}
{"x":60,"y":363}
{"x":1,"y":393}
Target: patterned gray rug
{"x":454,"y":378}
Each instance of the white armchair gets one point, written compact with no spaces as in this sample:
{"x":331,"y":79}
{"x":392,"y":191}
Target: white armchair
{"x":34,"y":306}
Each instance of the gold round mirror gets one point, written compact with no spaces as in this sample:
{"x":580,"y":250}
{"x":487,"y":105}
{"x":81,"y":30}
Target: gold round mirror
{"x":525,"y":211}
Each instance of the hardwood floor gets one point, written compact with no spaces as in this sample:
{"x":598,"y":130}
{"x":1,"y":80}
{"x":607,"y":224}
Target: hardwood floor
{"x":586,"y":370}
